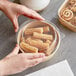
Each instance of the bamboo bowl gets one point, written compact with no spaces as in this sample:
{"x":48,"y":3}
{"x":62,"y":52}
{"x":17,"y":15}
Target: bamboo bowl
{"x":64,"y":22}
{"x":56,"y":42}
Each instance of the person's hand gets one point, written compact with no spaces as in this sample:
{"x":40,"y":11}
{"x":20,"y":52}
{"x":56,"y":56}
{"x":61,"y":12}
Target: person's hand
{"x":13,"y":11}
{"x":15,"y":63}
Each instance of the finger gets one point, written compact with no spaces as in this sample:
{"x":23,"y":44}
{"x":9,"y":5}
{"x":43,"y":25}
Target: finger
{"x":35,"y":61}
{"x":14,"y":52}
{"x":14,"y":20}
{"x":35,"y":55}
{"x":15,"y":24}
{"x":31,"y":13}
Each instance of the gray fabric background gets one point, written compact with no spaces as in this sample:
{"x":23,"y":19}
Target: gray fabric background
{"x":67,"y":48}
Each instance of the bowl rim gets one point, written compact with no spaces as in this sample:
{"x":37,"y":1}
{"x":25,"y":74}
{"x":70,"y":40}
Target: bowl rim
{"x":57,"y":47}
{"x":50,"y":24}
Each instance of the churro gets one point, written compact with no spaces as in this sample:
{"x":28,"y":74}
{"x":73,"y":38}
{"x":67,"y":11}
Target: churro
{"x":46,"y":29}
{"x":42,"y":36}
{"x":48,"y":41}
{"x":37,"y":44}
{"x":27,"y":48}
{"x":31,"y":30}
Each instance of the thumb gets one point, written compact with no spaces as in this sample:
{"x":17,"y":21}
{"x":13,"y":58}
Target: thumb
{"x":15,"y":24}
{"x":14,"y":52}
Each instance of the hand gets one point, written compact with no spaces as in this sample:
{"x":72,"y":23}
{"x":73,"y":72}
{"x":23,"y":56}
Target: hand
{"x":15,"y":63}
{"x":13,"y":11}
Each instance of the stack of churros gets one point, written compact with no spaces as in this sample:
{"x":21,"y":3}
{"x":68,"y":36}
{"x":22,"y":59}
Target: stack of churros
{"x":37,"y":39}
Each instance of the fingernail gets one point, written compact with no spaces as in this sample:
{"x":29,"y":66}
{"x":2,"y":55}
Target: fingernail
{"x":15,"y":30}
{"x":16,"y":45}
{"x":43,"y":18}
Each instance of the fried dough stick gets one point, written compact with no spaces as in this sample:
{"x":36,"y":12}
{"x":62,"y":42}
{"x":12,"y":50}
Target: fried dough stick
{"x":27,"y":48}
{"x":42,"y":36}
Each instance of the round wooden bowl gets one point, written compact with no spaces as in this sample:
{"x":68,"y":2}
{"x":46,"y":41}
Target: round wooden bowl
{"x":56,"y":42}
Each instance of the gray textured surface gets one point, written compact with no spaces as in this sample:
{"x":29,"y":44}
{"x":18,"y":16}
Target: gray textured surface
{"x":67,"y":48}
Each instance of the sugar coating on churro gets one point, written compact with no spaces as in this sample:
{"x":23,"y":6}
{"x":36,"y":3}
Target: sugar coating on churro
{"x":50,"y":50}
{"x":38,"y":44}
{"x":38,"y":40}
{"x":31,"y":30}
{"x":46,"y":29}
{"x":31,"y":38}
{"x":27,"y":48}
{"x":42,"y":36}
{"x":48,"y":41}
